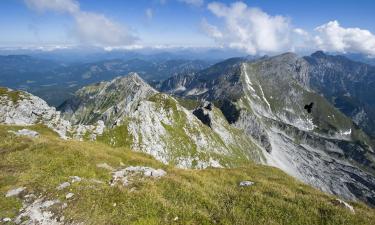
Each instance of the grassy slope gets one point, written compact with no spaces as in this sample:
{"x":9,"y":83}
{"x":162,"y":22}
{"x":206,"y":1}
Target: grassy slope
{"x":194,"y":196}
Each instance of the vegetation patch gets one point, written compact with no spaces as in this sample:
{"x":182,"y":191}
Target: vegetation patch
{"x":210,"y":196}
{"x":15,"y":96}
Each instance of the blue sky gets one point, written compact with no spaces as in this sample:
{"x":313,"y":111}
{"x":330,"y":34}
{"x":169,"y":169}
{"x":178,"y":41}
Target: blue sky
{"x":192,"y":23}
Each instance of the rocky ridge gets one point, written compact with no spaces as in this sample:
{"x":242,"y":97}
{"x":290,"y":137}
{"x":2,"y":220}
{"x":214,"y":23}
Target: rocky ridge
{"x":265,"y":98}
{"x":145,"y":120}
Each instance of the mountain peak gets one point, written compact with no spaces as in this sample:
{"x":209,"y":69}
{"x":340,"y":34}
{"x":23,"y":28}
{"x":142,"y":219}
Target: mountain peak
{"x":318,"y":54}
{"x":134,"y":75}
{"x":130,"y":78}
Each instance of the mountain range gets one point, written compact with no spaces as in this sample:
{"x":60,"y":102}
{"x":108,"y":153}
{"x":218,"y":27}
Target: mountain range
{"x":312,"y":117}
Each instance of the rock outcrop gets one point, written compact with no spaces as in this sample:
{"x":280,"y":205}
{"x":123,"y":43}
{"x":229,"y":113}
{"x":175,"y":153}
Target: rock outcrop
{"x":24,"y":109}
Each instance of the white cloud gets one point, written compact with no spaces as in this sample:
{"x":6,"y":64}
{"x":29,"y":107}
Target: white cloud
{"x":90,"y":28}
{"x":249,"y":29}
{"x":301,"y":32}
{"x":333,"y":37}
{"x":70,"y":6}
{"x":211,"y":30}
{"x":97,"y":29}
{"x":149,"y":13}
{"x":196,"y":3}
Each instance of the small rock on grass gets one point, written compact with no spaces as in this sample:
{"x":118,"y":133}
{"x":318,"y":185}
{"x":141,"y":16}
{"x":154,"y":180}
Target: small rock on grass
{"x":7,"y":219}
{"x":246,"y":183}
{"x":75,"y":179}
{"x":345,"y":204}
{"x":63,"y":185}
{"x":26,"y":132}
{"x":15,"y":192}
{"x":69,"y":195}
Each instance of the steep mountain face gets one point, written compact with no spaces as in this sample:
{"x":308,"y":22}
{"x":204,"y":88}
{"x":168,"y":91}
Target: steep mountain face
{"x":203,"y":81}
{"x":143,"y":119}
{"x":266,"y":99}
{"x":346,"y":84}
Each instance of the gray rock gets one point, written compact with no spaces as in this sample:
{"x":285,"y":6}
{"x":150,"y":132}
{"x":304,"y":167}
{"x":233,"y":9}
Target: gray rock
{"x":7,"y":219}
{"x":63,"y":186}
{"x":38,"y":213}
{"x":26,"y":132}
{"x":345,"y":204}
{"x":246,"y":183}
{"x":125,"y":176}
{"x":75,"y":179}
{"x":69,"y":195}
{"x":15,"y":192}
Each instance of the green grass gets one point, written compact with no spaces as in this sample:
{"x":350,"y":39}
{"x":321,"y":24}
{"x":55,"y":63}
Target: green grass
{"x":210,"y":196}
{"x":13,"y":95}
{"x":189,"y":104}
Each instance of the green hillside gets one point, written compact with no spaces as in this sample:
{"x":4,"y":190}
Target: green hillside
{"x":210,"y":196}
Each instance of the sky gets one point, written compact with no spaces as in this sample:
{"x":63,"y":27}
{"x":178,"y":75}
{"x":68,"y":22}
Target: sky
{"x":253,"y":26}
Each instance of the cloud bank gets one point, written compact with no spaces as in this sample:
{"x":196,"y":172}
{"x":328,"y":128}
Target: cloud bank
{"x":238,"y":26}
{"x":90,"y":28}
{"x":256,"y":32}
{"x":249,"y":29}
{"x":333,"y":37}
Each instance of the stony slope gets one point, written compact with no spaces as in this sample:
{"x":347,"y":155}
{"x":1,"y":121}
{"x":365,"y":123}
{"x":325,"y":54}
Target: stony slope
{"x":266,"y":99}
{"x":144,"y":120}
{"x":47,"y":180}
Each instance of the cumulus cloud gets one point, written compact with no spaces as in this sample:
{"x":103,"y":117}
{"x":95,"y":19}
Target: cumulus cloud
{"x":196,"y":3}
{"x":333,"y":37}
{"x":249,"y":29}
{"x":95,"y":28}
{"x":90,"y":28}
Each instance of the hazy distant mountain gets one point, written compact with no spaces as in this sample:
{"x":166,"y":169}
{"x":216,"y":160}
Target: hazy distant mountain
{"x":361,"y":58}
{"x":56,"y":82}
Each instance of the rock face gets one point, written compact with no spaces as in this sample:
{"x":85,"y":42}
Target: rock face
{"x":24,"y":109}
{"x":346,"y":84}
{"x":21,"y":108}
{"x":143,"y":119}
{"x":107,"y":101}
{"x":265,"y":98}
